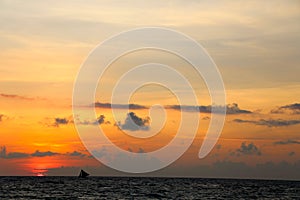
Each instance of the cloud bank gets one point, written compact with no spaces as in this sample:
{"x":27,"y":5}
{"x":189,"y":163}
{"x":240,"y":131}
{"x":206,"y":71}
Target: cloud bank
{"x":15,"y":155}
{"x":120,"y":106}
{"x":287,"y":142}
{"x":290,"y":108}
{"x":230,"y":108}
{"x":269,"y":122}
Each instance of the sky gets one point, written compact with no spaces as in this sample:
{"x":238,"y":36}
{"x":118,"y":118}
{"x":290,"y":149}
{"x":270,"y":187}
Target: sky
{"x":254,"y":44}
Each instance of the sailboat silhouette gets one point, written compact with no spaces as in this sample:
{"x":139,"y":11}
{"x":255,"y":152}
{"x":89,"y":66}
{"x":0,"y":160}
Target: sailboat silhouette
{"x":83,"y":174}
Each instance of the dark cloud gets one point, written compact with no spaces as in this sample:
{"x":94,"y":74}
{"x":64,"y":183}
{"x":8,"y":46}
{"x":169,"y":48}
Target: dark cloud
{"x":248,"y":149}
{"x":184,"y":108}
{"x":135,"y":123}
{"x":230,"y":108}
{"x":76,"y":154}
{"x":234,"y":109}
{"x":120,"y":106}
{"x":290,"y":108}
{"x":100,"y":120}
{"x":37,"y":153}
{"x":17,"y":155}
{"x":1,"y":117}
{"x":287,"y":142}
{"x":269,"y":122}
{"x":14,"y":96}
{"x":11,"y":155}
{"x":58,"y":121}
{"x":292,"y":153}
{"x":43,"y":154}
{"x":295,"y":106}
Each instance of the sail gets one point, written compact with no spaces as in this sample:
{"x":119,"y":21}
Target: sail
{"x":83,"y":174}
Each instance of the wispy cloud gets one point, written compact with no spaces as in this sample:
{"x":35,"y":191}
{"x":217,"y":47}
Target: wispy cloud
{"x":76,"y":154}
{"x":15,"y":96}
{"x":290,"y":108}
{"x":269,"y":122}
{"x":13,"y":155}
{"x":120,"y":106}
{"x":287,"y":142}
{"x":38,"y":153}
{"x":100,"y":120}
{"x":17,"y":155}
{"x":230,"y":108}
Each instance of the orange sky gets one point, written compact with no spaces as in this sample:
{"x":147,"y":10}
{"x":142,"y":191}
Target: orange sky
{"x":255,"y":46}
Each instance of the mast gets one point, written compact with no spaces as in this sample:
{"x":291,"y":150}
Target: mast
{"x":83,"y":174}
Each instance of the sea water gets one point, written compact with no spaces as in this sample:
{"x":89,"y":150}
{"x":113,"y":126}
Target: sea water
{"x":144,"y":188}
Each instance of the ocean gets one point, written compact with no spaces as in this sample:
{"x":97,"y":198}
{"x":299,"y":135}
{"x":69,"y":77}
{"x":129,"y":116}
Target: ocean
{"x":144,"y":188}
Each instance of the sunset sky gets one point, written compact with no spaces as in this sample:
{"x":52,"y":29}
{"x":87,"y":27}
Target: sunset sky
{"x":255,"y":44}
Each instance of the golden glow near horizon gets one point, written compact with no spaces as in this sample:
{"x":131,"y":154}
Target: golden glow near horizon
{"x":42,"y":46}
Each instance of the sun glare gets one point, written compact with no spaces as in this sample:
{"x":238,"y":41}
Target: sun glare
{"x":40,"y":174}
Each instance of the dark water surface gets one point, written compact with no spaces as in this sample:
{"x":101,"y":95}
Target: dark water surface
{"x":144,"y":188}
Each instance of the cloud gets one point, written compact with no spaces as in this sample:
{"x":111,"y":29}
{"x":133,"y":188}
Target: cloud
{"x":295,"y":106}
{"x":120,"y":106}
{"x":11,"y":155}
{"x":292,"y":153}
{"x":248,"y":149}
{"x":135,"y":123}
{"x":76,"y":154}
{"x":38,"y":153}
{"x":58,"y":121}
{"x":287,"y":142}
{"x":230,"y":108}
{"x":1,"y":117}
{"x":234,"y":109}
{"x":269,"y":122}
{"x":17,"y":155}
{"x":100,"y":120}
{"x":290,"y":108}
{"x":14,"y":96}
